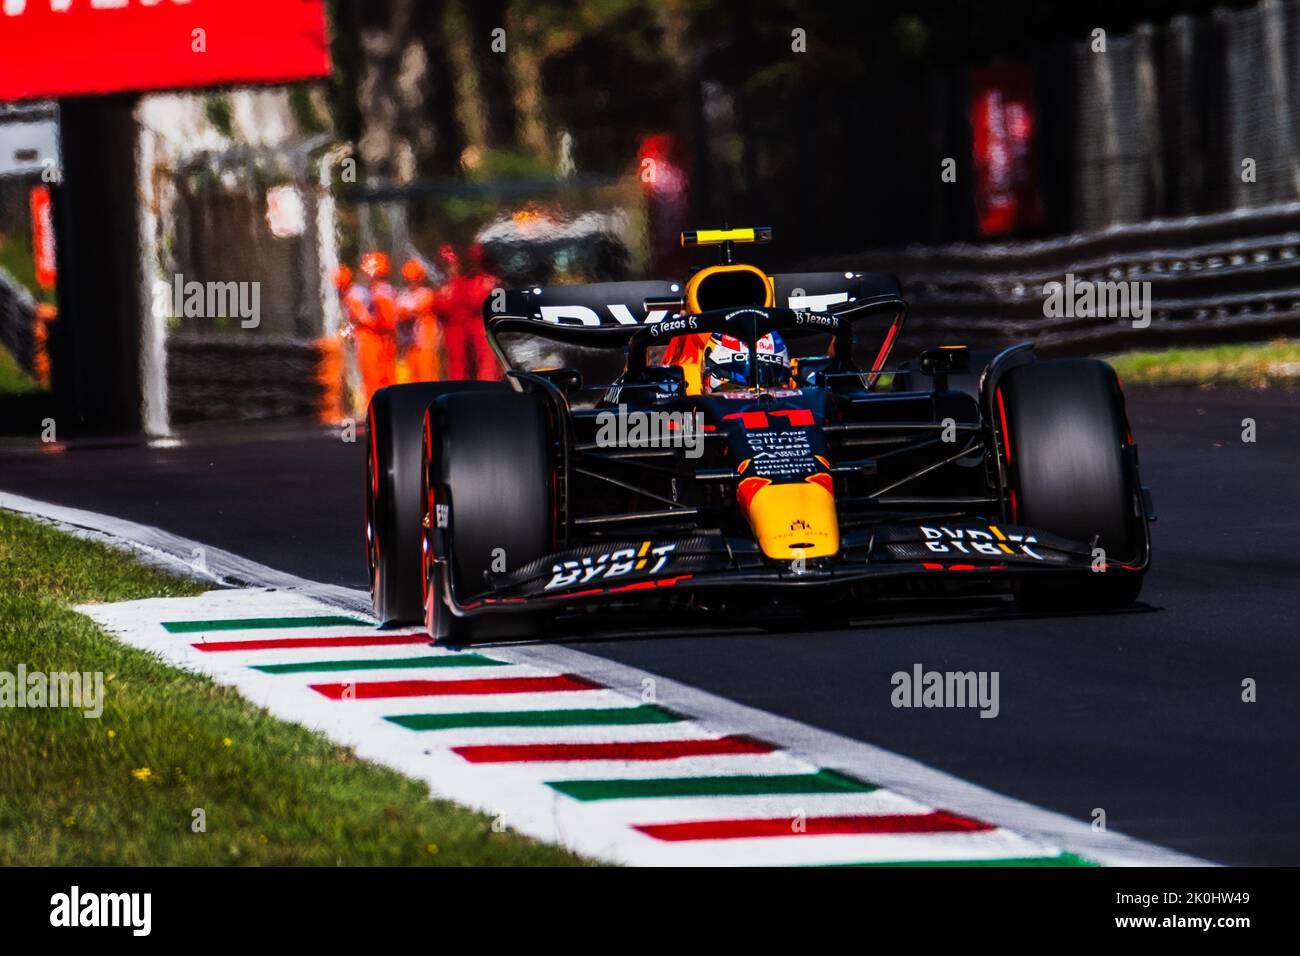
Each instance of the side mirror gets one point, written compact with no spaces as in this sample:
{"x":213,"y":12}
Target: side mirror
{"x":669,"y":380}
{"x":809,"y":372}
{"x":565,"y":379}
{"x":943,"y":360}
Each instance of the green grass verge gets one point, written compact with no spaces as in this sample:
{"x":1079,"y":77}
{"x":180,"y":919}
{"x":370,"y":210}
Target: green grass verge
{"x":13,"y":380}
{"x":1252,"y":365}
{"x":123,"y":789}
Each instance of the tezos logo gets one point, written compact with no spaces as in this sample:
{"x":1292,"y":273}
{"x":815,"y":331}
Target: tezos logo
{"x":673,"y":326}
{"x":818,"y":318}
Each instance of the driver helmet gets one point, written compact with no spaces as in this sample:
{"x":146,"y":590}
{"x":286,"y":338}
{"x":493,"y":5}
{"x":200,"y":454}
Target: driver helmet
{"x":726,"y":363}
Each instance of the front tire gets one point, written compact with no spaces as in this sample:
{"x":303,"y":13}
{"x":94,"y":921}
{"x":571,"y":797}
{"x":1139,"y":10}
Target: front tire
{"x":1069,"y":472}
{"x":393,"y":506}
{"x":489,"y":461}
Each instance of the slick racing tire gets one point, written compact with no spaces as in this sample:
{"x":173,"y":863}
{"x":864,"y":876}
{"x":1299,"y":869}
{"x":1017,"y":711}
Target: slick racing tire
{"x":1069,"y":474}
{"x":393,"y":503}
{"x":489,"y":460}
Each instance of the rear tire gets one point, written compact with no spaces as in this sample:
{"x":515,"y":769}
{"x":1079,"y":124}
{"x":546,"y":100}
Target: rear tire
{"x":490,"y":459}
{"x":1066,"y":436}
{"x":393,"y":506}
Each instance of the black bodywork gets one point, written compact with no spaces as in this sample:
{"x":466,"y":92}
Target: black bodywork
{"x":914,"y":457}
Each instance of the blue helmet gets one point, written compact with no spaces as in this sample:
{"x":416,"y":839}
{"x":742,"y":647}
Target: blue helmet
{"x":727,"y":367}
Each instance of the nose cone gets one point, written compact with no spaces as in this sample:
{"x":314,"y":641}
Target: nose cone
{"x":792,"y":520}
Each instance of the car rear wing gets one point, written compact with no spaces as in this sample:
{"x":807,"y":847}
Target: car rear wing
{"x":586,"y":313}
{"x":571,"y":325}
{"x":595,"y":309}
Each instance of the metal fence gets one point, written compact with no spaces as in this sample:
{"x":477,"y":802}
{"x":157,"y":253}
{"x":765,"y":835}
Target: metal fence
{"x":1164,"y":119}
{"x":1172,"y":160}
{"x":212,"y":226}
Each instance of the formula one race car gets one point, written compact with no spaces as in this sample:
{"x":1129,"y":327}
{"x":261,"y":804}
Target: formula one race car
{"x":747,"y":450}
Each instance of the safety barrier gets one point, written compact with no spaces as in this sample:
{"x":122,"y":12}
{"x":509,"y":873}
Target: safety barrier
{"x":1224,"y":276}
{"x":231,"y":377}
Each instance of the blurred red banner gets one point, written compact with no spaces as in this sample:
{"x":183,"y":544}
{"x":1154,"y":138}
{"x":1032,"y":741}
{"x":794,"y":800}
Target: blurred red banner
{"x":1003,"y":126}
{"x":52,"y":48}
{"x":43,"y":237}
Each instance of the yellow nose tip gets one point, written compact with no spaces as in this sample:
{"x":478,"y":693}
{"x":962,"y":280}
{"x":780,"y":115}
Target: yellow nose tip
{"x":795,"y":520}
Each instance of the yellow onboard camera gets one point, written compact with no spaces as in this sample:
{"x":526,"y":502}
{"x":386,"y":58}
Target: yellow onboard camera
{"x":714,"y":237}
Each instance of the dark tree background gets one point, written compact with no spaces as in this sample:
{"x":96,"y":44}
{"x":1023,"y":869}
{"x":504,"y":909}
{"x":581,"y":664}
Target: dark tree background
{"x":836,"y":146}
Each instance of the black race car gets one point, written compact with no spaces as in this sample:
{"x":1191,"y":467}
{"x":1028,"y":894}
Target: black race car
{"x":817,"y":477}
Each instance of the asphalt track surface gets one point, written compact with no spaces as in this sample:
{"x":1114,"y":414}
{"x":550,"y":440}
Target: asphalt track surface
{"x":1139,"y":713}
